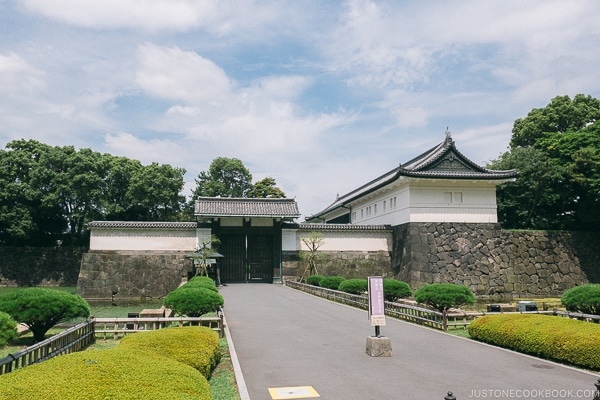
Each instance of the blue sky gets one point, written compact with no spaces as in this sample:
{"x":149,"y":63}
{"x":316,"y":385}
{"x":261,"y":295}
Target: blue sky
{"x":322,"y":96}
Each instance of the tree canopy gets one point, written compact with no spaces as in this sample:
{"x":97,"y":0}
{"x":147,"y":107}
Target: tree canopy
{"x":49,"y":193}
{"x":556,"y":151}
{"x":229,"y":177}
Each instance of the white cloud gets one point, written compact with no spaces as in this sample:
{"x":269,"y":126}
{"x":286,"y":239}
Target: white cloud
{"x":17,"y":76}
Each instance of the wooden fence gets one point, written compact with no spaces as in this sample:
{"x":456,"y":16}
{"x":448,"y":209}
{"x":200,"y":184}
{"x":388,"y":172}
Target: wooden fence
{"x":82,"y":335}
{"x":420,"y":315}
{"x":65,"y":342}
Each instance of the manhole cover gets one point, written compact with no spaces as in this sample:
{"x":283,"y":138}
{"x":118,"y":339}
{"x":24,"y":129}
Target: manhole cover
{"x":543,"y":366}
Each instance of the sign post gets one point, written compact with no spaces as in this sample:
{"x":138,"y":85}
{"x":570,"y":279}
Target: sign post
{"x":377,"y":346}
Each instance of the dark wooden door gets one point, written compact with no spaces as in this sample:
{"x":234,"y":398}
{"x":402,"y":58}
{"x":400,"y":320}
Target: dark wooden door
{"x":260,"y":258}
{"x":232,"y":265}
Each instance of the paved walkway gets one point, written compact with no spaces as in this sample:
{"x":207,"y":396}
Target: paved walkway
{"x":288,"y":339}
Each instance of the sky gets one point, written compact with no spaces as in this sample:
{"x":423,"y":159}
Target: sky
{"x":322,"y":96}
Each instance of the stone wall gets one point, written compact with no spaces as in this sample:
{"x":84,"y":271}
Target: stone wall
{"x":349,"y":264}
{"x":490,"y":260}
{"x":131,"y":275}
{"x":40,"y":266}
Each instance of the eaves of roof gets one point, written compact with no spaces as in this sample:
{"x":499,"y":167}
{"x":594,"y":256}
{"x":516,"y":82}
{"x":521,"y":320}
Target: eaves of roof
{"x":141,"y":225}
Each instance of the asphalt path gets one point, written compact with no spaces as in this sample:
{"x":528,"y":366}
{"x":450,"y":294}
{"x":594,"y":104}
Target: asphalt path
{"x":285,"y":338}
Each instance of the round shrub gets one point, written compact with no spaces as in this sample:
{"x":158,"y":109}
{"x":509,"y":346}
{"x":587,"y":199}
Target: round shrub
{"x":203,"y":282}
{"x":193,"y":301}
{"x":331,"y":282}
{"x":394,"y":289}
{"x":551,"y":337}
{"x":8,"y":329}
{"x":354,"y":286}
{"x":584,"y":299}
{"x":443,"y":296}
{"x":314,"y":280}
{"x":42,"y":308}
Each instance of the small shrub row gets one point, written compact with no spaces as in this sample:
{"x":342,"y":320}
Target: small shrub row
{"x":393,"y":288}
{"x":149,"y":365}
{"x":551,"y":337}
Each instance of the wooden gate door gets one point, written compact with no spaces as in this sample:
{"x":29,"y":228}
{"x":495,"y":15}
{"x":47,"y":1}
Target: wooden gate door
{"x":260,"y":258}
{"x":232,"y":265}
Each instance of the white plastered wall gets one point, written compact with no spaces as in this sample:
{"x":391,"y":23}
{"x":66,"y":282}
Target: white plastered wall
{"x":152,"y":239}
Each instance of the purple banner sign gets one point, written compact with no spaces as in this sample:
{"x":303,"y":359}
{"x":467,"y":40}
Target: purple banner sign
{"x":376,"y":301}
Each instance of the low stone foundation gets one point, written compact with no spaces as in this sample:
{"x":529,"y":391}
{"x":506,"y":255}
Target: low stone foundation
{"x":131,"y":275}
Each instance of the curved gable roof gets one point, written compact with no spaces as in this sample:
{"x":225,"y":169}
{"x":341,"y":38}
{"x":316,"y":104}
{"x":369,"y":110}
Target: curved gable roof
{"x":443,"y":161}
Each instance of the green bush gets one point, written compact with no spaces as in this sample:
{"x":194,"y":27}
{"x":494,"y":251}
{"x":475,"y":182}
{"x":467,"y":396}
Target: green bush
{"x":331,"y":282}
{"x":556,"y":338}
{"x":42,"y":308}
{"x":195,"y":346}
{"x":193,"y":301}
{"x":8,"y":329}
{"x":584,"y":299}
{"x":120,"y":373}
{"x":394,"y":289}
{"x":443,"y":296}
{"x":354,"y":286}
{"x":314,"y":280}
{"x":202,"y":281}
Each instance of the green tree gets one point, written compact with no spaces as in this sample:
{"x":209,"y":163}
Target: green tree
{"x":40,"y":308}
{"x":266,"y":188}
{"x":556,"y":151}
{"x":193,"y":301}
{"x":154,"y":191}
{"x":226,"y":177}
{"x":443,"y":296}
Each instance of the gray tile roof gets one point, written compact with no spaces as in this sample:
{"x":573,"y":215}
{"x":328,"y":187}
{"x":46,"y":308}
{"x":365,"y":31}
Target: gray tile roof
{"x":246,"y":207}
{"x":306,"y":226}
{"x":142,"y":225}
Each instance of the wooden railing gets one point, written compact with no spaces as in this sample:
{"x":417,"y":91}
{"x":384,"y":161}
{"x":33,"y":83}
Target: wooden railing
{"x":118,"y":327}
{"x":65,"y":342}
{"x":420,"y":315}
{"x":82,"y":335}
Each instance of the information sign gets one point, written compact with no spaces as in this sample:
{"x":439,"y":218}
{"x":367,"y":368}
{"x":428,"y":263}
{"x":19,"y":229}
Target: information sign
{"x":376,"y":301}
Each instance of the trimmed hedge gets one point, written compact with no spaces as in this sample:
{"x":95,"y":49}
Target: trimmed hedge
{"x":354,"y":286}
{"x":584,"y":299}
{"x":122,"y":373}
{"x":8,"y":328}
{"x":551,"y":337}
{"x":331,"y":282}
{"x":314,"y":280}
{"x":195,"y":346}
{"x":394,"y":289}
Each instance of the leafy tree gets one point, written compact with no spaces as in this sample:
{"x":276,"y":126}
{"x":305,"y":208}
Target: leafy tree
{"x":154,"y":191}
{"x":556,"y":151}
{"x":226,"y":177}
{"x":443,"y":296}
{"x":561,"y":115}
{"x":585,"y":299}
{"x":8,"y":328}
{"x":266,"y":188}
{"x":40,"y":308}
{"x":193,"y":301}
